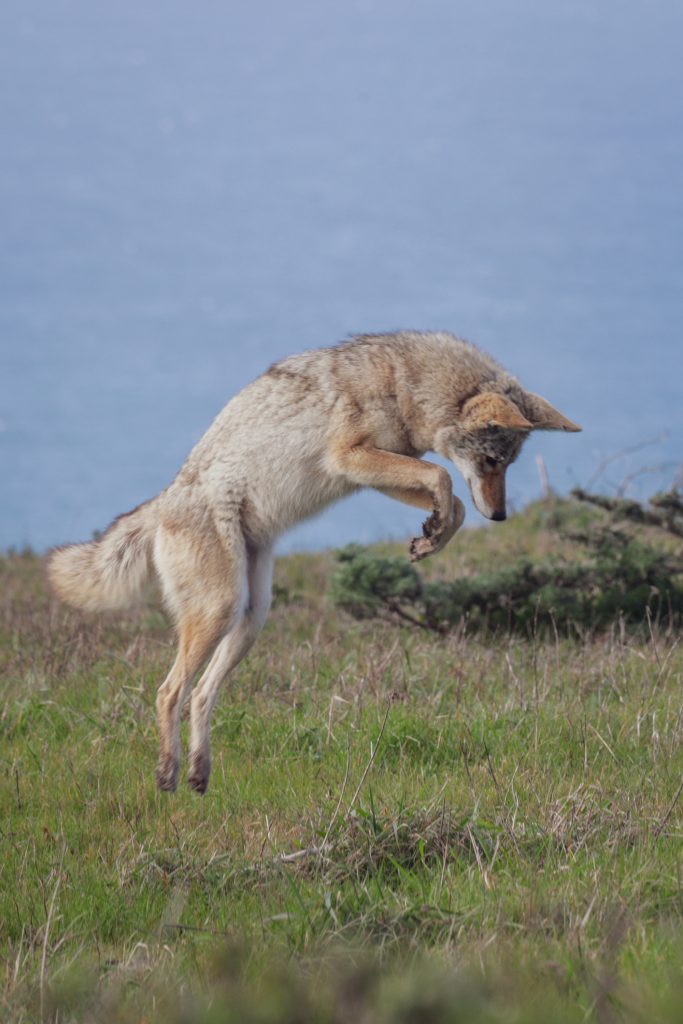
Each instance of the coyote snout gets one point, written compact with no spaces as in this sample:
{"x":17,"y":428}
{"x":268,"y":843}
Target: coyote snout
{"x":486,"y":483}
{"x":311,"y":430}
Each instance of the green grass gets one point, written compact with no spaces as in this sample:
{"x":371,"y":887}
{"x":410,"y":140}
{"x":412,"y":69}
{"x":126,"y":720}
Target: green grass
{"x":399,"y":825}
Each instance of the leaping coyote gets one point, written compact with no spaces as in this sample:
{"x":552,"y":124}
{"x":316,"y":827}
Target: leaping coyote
{"x":312,"y":429}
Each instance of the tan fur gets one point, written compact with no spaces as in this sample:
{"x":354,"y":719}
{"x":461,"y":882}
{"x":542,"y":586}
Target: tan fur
{"x":108,"y":573}
{"x":491,"y":410}
{"x":546,"y":417}
{"x":311,"y":430}
{"x":493,"y":488}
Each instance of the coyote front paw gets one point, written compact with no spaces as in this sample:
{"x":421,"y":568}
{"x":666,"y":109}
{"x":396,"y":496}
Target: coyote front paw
{"x":428,"y":543}
{"x":436,"y":533}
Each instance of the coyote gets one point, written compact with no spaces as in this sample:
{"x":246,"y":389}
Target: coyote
{"x":312,"y":429}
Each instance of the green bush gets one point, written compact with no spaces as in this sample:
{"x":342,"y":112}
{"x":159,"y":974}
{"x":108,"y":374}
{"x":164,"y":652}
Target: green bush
{"x":616,"y":576}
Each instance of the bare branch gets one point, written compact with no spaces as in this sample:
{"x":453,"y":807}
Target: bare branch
{"x":607,"y":460}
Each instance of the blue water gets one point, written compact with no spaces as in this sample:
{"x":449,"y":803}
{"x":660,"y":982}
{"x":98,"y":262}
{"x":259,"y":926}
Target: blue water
{"x":188,"y":192}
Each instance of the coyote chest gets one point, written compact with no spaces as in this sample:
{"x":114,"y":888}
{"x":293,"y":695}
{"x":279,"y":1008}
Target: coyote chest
{"x":272,"y":451}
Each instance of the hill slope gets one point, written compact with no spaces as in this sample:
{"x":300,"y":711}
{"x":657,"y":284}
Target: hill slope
{"x":508,"y":807}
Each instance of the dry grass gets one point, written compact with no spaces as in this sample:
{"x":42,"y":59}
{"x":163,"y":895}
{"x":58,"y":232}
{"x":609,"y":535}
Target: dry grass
{"x":502,"y":819}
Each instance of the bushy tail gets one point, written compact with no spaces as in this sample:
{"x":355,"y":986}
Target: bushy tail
{"x":109,"y":572}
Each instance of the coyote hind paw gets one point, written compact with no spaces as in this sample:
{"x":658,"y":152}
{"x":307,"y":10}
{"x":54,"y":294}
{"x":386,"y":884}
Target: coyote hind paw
{"x":200,"y":769}
{"x":167,"y":775}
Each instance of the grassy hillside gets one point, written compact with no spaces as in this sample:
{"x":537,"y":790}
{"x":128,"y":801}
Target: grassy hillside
{"x":400,"y":825}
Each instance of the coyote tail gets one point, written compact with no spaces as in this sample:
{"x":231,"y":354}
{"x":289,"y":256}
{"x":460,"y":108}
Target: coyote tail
{"x":109,"y":572}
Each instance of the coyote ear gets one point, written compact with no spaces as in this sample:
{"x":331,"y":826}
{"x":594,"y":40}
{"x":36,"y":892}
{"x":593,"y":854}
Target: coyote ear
{"x":493,"y":410}
{"x":545,"y":417}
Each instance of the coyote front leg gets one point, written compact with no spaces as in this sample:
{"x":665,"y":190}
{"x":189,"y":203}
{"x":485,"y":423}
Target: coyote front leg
{"x":411,"y":481}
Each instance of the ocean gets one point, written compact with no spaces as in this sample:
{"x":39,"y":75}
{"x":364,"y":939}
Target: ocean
{"x":188,"y":193}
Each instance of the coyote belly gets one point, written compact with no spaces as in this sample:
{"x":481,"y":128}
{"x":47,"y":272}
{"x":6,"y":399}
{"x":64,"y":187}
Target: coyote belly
{"x":312,"y":429}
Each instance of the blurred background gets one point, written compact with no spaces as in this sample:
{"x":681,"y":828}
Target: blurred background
{"x":189,"y":192}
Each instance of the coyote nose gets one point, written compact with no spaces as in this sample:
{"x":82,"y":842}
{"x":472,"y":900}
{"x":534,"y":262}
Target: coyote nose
{"x":498,"y":517}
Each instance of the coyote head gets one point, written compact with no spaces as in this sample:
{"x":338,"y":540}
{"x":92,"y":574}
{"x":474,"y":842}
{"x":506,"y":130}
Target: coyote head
{"x":488,"y":436}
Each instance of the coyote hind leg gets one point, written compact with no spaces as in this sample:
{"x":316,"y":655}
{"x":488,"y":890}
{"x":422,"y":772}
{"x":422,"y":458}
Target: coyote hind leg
{"x":205,"y":589}
{"x":196,"y":641}
{"x":228,"y":654}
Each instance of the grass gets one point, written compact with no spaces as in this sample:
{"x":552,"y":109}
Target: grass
{"x":399,"y":825}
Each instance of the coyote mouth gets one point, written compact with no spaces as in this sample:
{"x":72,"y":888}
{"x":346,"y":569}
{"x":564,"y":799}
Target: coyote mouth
{"x":481,"y":502}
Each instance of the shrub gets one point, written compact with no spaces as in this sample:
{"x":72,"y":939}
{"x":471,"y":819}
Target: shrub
{"x":616,"y":576}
